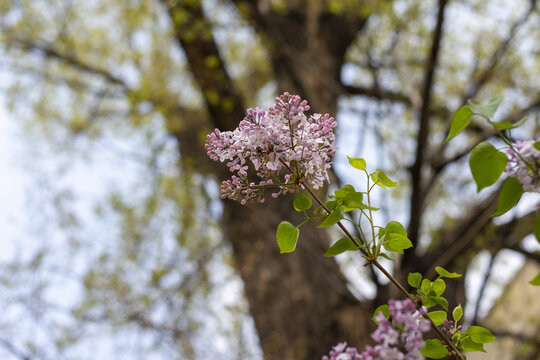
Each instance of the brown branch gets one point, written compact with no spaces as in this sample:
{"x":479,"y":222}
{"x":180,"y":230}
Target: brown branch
{"x":478,"y":84}
{"x":193,"y":32}
{"x":504,"y":45}
{"x":516,"y":336}
{"x":460,"y":236}
{"x":417,"y":197}
{"x":13,"y":350}
{"x":378,"y":93}
{"x":477,"y":223}
{"x":70,"y":59}
{"x":531,"y":256}
{"x":440,"y":162}
{"x":485,"y":280}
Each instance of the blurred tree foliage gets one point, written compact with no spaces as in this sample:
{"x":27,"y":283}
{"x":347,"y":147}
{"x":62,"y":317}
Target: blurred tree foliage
{"x":156,"y":276}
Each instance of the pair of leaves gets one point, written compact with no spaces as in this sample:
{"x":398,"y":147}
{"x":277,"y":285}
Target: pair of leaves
{"x":431,"y":293}
{"x":439,"y":316}
{"x":381,"y":179}
{"x":464,"y":114}
{"x":414,"y":279}
{"x":473,"y":340}
{"x":350,"y":198}
{"x":378,"y":177}
{"x":475,"y":337}
{"x":394,"y":237}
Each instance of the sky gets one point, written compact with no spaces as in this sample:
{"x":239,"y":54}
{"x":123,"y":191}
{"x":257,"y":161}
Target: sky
{"x":12,"y":185}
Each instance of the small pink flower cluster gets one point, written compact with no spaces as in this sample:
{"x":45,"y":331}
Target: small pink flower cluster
{"x":275,"y":142}
{"x":524,"y":164}
{"x":342,"y":352}
{"x":398,"y":338}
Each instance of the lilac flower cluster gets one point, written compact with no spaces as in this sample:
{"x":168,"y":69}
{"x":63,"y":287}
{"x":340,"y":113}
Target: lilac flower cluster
{"x":283,"y":145}
{"x":398,"y":338}
{"x":524,"y":164}
{"x":342,"y":352}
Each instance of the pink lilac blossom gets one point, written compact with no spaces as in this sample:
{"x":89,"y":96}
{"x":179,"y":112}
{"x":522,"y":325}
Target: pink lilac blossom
{"x":398,"y":338}
{"x":342,"y":352}
{"x":272,"y":143}
{"x":524,"y":164}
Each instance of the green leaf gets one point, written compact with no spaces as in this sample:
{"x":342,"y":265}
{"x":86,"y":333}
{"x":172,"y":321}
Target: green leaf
{"x":434,"y":349}
{"x":425,"y":286}
{"x":470,"y":346}
{"x":457,"y":313}
{"x":437,"y":317}
{"x":536,"y":280}
{"x":375,"y":180}
{"x":536,"y":227}
{"x":486,"y":110}
{"x":487,"y":164}
{"x":385,"y":311}
{"x":334,"y":217}
{"x":394,"y":227}
{"x":427,"y":302}
{"x":511,"y":192}
{"x":385,"y":180}
{"x":414,"y":279}
{"x":287,"y":236}
{"x":438,"y":287}
{"x":537,"y":145}
{"x":385,"y":256}
{"x":332,"y":204}
{"x":506,"y":125}
{"x":460,"y":121}
{"x":446,"y":274}
{"x":302,"y":202}
{"x":441,"y":301}
{"x":354,"y":200}
{"x":480,"y":334}
{"x":358,"y":163}
{"x":344,"y":191}
{"x":397,"y":243}
{"x":340,"y":246}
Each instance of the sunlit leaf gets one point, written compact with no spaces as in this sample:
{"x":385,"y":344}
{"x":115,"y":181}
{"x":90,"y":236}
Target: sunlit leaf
{"x":511,"y":192}
{"x":460,"y":121}
{"x":302,"y":202}
{"x":486,"y":110}
{"x":340,"y":246}
{"x":487,"y":164}
{"x":287,"y":237}
{"x":434,"y":349}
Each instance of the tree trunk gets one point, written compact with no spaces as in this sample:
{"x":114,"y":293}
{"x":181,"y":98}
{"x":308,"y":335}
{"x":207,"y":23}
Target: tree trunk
{"x":300,"y":302}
